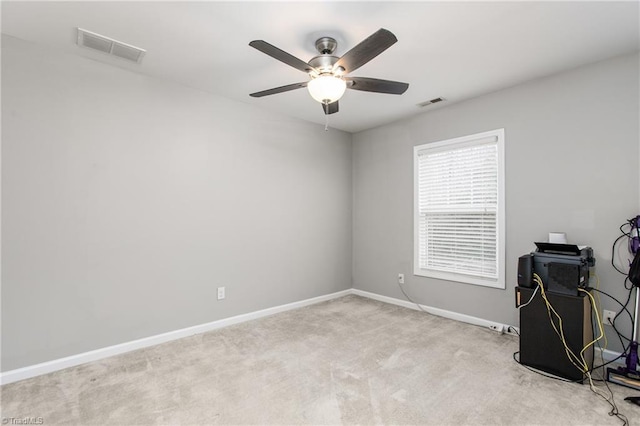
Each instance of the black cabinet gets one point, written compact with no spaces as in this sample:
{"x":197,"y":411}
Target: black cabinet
{"x":540,"y":345}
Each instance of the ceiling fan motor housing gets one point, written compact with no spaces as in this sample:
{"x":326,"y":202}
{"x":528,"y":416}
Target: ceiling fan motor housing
{"x":326,"y":45}
{"x":324,"y":63}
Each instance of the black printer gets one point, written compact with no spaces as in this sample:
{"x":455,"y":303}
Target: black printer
{"x":563,"y":268}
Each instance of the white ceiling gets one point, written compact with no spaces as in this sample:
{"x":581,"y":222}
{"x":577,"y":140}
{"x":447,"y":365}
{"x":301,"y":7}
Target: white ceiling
{"x":454,"y":50}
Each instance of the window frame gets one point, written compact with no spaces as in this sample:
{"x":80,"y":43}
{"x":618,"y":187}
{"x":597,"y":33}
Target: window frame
{"x":453,"y":144}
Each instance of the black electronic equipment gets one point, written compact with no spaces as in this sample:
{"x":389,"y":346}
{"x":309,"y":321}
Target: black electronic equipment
{"x":566,"y":278}
{"x":540,"y":345}
{"x":525,"y":270}
{"x":563,"y":268}
{"x":556,"y":248}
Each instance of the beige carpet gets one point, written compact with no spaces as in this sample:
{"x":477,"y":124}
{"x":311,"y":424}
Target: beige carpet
{"x":348,"y":361}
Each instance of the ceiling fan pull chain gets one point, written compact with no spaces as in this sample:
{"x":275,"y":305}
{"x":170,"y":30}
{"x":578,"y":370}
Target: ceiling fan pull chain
{"x":326,"y":117}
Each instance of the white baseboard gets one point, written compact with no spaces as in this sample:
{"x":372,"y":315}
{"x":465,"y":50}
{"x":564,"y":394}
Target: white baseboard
{"x":82,"y":358}
{"x":607,"y":355}
{"x":435,"y":311}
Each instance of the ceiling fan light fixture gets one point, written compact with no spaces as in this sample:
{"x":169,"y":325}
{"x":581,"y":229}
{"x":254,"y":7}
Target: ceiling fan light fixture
{"x":328,"y":74}
{"x":326,"y":88}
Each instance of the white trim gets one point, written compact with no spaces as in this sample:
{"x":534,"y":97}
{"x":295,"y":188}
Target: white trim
{"x":435,"y":311}
{"x":97,"y":354}
{"x":607,"y":355}
{"x":496,"y":136}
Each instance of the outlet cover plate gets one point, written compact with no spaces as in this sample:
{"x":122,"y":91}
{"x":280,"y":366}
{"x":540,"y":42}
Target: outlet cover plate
{"x":608,"y":316}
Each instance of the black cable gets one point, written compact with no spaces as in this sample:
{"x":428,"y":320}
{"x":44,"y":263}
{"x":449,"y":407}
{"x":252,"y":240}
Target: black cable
{"x":614,"y":408}
{"x":593,"y":368}
{"x":622,"y":355}
{"x":630,"y":318}
{"x":621,"y":336}
{"x":627,"y":234}
{"x":615,"y":328}
{"x":624,"y":352}
{"x":617,"y":301}
{"x":625,"y":284}
{"x":610,"y":400}
{"x":618,"y":334}
{"x":631,"y":223}
{"x":613,"y":253}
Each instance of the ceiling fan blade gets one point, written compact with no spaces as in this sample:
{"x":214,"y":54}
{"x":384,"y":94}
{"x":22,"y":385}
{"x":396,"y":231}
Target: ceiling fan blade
{"x":280,"y":89}
{"x":281,"y":55}
{"x":331,"y":108}
{"x":368,"y":49}
{"x":376,"y":85}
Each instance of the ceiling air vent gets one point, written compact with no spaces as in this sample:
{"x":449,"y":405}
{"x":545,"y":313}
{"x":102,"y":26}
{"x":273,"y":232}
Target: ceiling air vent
{"x":431,"y":102}
{"x":110,"y":46}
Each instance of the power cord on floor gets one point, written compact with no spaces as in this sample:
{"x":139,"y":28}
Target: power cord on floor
{"x":580,"y":361}
{"x":608,"y":398}
{"x":614,"y":408}
{"x":411,"y":300}
{"x":603,"y":347}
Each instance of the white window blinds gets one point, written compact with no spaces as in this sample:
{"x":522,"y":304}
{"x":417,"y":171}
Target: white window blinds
{"x":458,"y":210}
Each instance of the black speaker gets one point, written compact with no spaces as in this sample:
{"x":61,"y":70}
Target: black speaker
{"x":540,"y":345}
{"x":525,"y":271}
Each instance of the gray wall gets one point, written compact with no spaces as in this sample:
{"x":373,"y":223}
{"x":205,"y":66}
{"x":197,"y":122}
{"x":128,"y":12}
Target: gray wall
{"x":572,"y":143}
{"x":127,"y":200}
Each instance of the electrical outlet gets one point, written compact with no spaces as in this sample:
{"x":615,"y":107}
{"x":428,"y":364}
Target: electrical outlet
{"x":221,"y":293}
{"x":608,"y":316}
{"x":400,"y":278}
{"x":497,"y":327}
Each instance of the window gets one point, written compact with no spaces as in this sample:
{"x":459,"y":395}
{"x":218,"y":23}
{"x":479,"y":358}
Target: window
{"x":459,"y":209}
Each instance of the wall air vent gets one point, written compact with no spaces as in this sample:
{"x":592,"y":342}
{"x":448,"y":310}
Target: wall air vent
{"x":431,"y":102}
{"x":110,"y":46}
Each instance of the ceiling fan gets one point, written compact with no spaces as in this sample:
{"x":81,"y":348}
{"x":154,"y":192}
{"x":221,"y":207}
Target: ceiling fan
{"x":328,"y":80}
